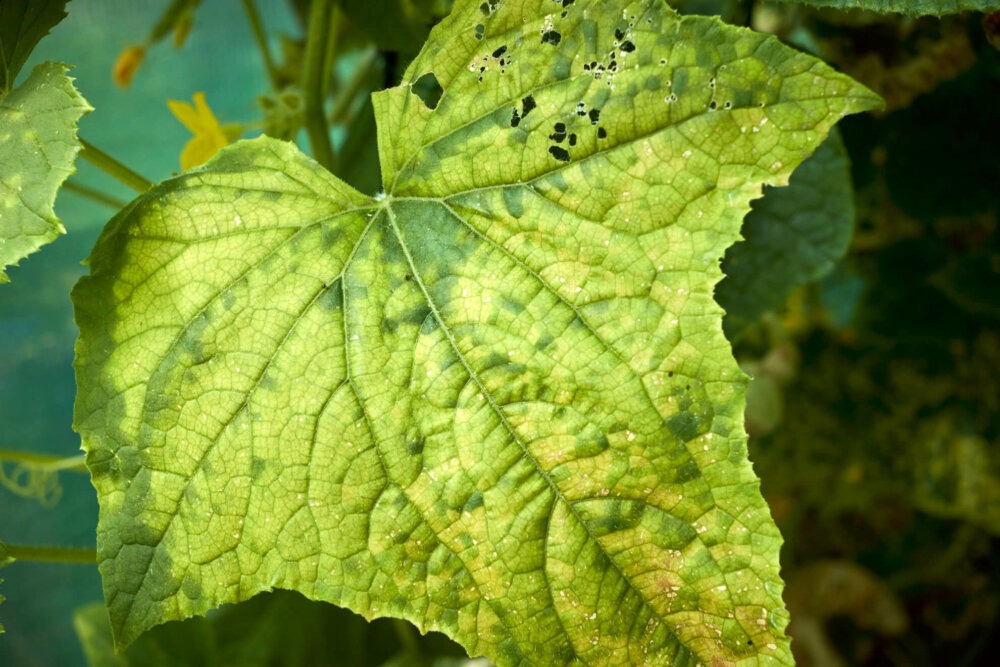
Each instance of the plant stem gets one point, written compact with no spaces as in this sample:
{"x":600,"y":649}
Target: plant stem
{"x":346,"y":95}
{"x":113,"y":167}
{"x":52,"y":554}
{"x":261,"y":38}
{"x":316,"y":78}
{"x":46,"y":462}
{"x":93,"y":194}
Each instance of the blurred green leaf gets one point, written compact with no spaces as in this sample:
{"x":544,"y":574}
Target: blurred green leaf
{"x":908,"y":7}
{"x":396,"y":25}
{"x":793,"y":235}
{"x":276,"y":629}
{"x":23,"y":23}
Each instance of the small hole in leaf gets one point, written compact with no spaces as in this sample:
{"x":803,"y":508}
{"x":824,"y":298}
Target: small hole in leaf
{"x":428,"y":90}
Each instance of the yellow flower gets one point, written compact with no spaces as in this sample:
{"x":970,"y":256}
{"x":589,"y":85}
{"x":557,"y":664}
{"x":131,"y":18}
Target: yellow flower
{"x":208,"y":137}
{"x":127,"y":63}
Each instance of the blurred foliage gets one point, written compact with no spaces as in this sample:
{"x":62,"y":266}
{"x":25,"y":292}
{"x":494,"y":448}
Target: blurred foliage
{"x":875,"y":409}
{"x":280,"y":628}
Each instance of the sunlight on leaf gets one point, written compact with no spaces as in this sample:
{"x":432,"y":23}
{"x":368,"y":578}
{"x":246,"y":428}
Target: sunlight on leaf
{"x":494,"y":400}
{"x":209,"y":135}
{"x":38,"y":145}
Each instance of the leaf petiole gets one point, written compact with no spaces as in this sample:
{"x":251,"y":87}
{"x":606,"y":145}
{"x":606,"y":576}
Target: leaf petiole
{"x":113,"y":167}
{"x":80,"y":555}
{"x":316,"y":77}
{"x":93,"y":194}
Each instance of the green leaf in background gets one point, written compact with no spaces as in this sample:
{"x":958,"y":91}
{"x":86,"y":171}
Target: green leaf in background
{"x":396,"y":25}
{"x":38,"y":145}
{"x":23,"y":23}
{"x":908,"y":7}
{"x":793,"y":235}
{"x":495,"y":400}
{"x":275,"y":629}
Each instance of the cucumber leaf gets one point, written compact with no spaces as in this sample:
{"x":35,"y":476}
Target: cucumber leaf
{"x":494,"y":399}
{"x":38,"y":145}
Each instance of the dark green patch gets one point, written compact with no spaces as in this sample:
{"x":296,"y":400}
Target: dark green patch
{"x":544,"y":341}
{"x":332,"y":298}
{"x":191,"y":588}
{"x":429,"y":325}
{"x":416,"y":446}
{"x":331,"y":235}
{"x":388,"y":325}
{"x":257,"y":466}
{"x":687,"y":472}
{"x":685,"y":425}
{"x":228,"y":299}
{"x":653,"y":82}
{"x":513,"y":198}
{"x":586,"y":447}
{"x":475,"y":501}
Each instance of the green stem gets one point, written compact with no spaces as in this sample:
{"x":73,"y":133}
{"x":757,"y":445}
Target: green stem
{"x":45,"y":462}
{"x":93,"y":194}
{"x":316,"y":78}
{"x":113,"y":167}
{"x":261,"y":38}
{"x":52,"y":554}
{"x":346,"y":95}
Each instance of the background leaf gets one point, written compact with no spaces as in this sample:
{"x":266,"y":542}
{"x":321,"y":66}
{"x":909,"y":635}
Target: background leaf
{"x":909,"y":7}
{"x":23,"y":23}
{"x":495,"y":401}
{"x":793,"y":235}
{"x":278,"y":629}
{"x":37,"y":148}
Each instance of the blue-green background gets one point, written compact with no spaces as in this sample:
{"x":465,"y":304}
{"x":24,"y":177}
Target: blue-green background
{"x":36,"y":317}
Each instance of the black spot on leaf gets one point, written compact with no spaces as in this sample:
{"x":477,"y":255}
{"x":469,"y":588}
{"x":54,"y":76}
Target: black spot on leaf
{"x":601,"y":134}
{"x":527,"y":104}
{"x":515,"y":118}
{"x":595,"y":116}
{"x":551,"y":37}
{"x":619,"y":34}
{"x":500,"y":51}
{"x":558,"y":153}
{"x":627,"y":46}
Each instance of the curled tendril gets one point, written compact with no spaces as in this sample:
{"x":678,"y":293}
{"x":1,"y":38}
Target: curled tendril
{"x":35,"y":481}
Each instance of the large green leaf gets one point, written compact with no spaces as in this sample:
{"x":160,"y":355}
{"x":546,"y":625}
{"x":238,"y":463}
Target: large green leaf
{"x":38,"y":145}
{"x":496,"y":399}
{"x":23,"y":23}
{"x":794,"y":235}
{"x":909,"y":7}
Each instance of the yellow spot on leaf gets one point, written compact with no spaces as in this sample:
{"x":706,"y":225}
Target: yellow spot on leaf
{"x":209,"y":135}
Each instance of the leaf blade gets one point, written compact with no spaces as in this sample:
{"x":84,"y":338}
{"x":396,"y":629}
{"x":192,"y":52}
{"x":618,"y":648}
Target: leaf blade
{"x":38,"y":146}
{"x":495,"y":401}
